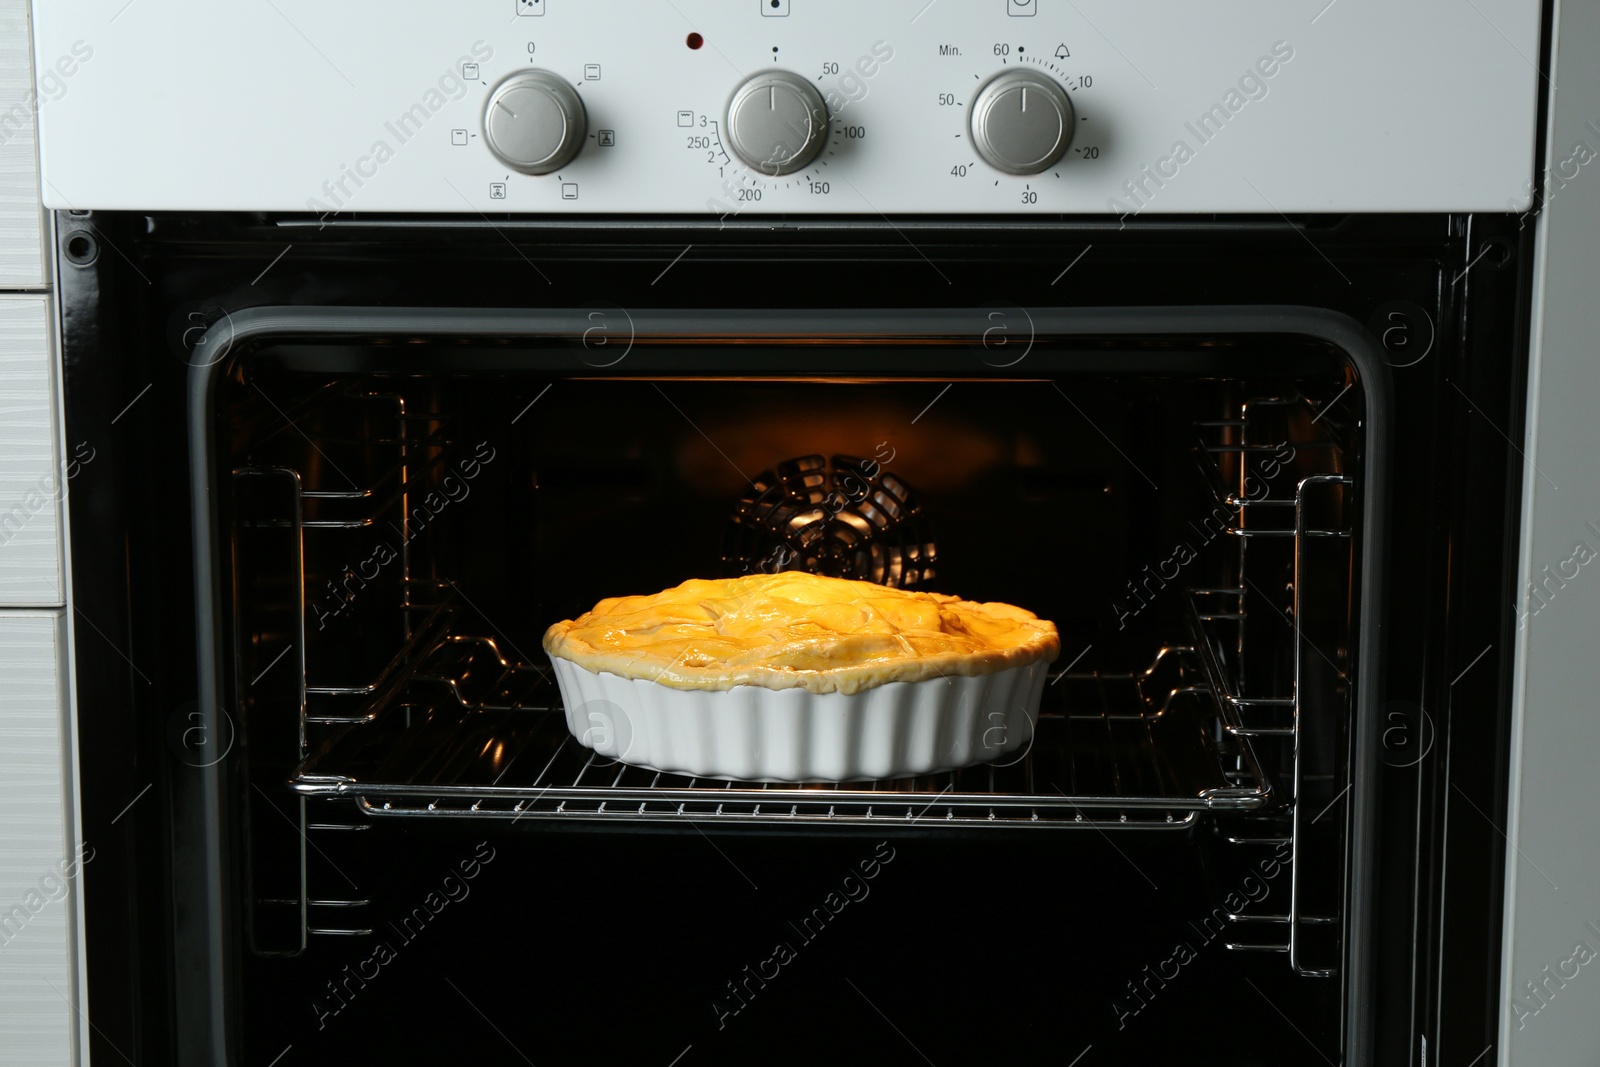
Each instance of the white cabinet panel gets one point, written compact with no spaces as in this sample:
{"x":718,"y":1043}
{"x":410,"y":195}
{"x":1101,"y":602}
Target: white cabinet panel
{"x":1550,"y":991}
{"x":32,"y":481}
{"x":39,"y":865}
{"x":21,"y":258}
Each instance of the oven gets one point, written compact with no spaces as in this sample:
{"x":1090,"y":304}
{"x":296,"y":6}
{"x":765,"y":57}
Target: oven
{"x":1244,"y":430}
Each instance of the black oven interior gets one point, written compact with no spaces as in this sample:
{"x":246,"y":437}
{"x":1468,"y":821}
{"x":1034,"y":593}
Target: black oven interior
{"x":398,"y":533}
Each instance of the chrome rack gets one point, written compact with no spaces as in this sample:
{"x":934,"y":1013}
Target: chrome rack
{"x":276,"y":504}
{"x":1273,"y":714}
{"x":473,"y":734}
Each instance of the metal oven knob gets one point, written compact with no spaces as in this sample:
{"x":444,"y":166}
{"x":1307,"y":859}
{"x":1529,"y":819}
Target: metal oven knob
{"x":535,"y":122}
{"x":776,"y":123}
{"x":1021,"y":122}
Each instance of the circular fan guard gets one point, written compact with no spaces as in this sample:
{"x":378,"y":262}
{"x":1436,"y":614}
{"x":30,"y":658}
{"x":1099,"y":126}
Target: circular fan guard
{"x":843,"y":518}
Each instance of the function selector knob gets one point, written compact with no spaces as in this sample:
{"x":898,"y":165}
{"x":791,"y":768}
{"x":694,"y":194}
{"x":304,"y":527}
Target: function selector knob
{"x":535,"y":122}
{"x":1021,"y":122}
{"x":776,"y":123}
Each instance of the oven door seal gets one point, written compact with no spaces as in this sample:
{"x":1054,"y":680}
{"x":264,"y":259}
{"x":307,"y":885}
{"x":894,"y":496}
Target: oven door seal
{"x":206,"y":932}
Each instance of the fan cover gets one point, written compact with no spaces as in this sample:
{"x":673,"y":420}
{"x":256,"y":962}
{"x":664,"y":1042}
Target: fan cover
{"x":843,"y":518}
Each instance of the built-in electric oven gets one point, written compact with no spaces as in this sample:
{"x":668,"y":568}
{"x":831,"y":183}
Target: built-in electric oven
{"x":1236,"y":426}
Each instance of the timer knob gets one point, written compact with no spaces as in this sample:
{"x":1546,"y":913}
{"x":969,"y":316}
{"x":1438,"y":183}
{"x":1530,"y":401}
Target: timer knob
{"x":534,"y":122}
{"x":1021,"y":121}
{"x":776,"y":123}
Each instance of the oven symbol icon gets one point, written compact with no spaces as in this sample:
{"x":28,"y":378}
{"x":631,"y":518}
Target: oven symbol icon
{"x":497,"y":190}
{"x":1022,"y":8}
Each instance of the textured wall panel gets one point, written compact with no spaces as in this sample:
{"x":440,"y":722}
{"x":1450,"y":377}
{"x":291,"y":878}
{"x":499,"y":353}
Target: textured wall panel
{"x":31,"y":480}
{"x":38,"y":884}
{"x":21,"y":262}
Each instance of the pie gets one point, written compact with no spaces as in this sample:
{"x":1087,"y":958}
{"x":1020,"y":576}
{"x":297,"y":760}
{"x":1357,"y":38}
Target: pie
{"x":794,"y":630}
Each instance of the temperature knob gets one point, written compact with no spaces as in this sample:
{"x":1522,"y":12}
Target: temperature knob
{"x":777,"y":122}
{"x":535,"y":122}
{"x":1021,"y":122}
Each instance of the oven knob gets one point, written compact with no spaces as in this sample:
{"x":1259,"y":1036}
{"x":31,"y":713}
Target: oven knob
{"x":1021,"y":122}
{"x":776,"y":123}
{"x":534,"y":122}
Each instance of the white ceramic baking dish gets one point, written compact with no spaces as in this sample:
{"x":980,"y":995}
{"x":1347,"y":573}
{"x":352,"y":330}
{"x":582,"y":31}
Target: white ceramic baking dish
{"x":748,"y":733}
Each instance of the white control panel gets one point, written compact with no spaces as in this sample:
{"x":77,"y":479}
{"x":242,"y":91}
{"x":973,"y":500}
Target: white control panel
{"x":735,"y":108}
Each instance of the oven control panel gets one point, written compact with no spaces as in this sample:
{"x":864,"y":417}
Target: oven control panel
{"x":788,"y":107}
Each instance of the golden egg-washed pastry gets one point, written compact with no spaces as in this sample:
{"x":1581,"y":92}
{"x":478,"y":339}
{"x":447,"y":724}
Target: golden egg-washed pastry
{"x":796,"y":630}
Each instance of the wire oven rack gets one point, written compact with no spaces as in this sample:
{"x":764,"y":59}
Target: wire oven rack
{"x":467,"y":733}
{"x":1312,"y":516}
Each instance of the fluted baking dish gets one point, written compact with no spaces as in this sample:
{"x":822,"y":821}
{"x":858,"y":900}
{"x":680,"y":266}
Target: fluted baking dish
{"x":751,"y":733}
